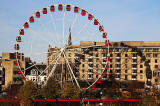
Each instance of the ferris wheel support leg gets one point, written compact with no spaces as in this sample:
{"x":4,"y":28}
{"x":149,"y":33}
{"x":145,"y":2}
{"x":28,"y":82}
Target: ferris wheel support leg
{"x":71,"y":70}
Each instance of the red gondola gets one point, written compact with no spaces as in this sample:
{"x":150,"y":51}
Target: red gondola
{"x":26,"y":25}
{"x":31,"y":19}
{"x":76,"y":9}
{"x":108,"y":51}
{"x":16,"y":46}
{"x":106,"y":42}
{"x":19,"y":71}
{"x":38,"y":14}
{"x":104,"y":35}
{"x":44,"y":10}
{"x":83,"y":13}
{"x":99,"y":81}
{"x":68,"y":8}
{"x":106,"y":67}
{"x":16,"y":62}
{"x":104,"y":74}
{"x":90,"y":16}
{"x":108,"y":58}
{"x":101,"y":28}
{"x":15,"y":55}
{"x":96,"y":22}
{"x":52,"y":9}
{"x":23,"y":78}
{"x":60,"y":7}
{"x":21,"y":32}
{"x":18,"y":39}
{"x":93,"y":87}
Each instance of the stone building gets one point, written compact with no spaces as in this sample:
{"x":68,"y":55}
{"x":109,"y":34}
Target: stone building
{"x":129,"y":60}
{"x":10,"y":73}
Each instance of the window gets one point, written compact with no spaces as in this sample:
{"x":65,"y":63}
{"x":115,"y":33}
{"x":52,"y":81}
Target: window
{"x":134,"y":55}
{"x":156,"y":80}
{"x":69,"y":54}
{"x":83,"y":75}
{"x":96,"y":76}
{"x":83,"y":71}
{"x":90,"y":71}
{"x":111,"y":66}
{"x":126,"y":55}
{"x":156,"y":61}
{"x":125,"y":71}
{"x":111,"y":55}
{"x":104,"y":55}
{"x":126,"y":77}
{"x":90,"y":75}
{"x":14,"y":72}
{"x":141,"y":66}
{"x":111,"y":71}
{"x":134,"y":71}
{"x":118,"y":60}
{"x":104,"y":60}
{"x":69,"y":60}
{"x":141,"y":61}
{"x":96,"y":55}
{"x":118,"y":55}
{"x":118,"y":65}
{"x":83,"y":58}
{"x":97,"y":59}
{"x":126,"y":60}
{"x":125,"y":65}
{"x":110,"y":60}
{"x":156,"y":66}
{"x":155,"y":55}
{"x":148,"y":61}
{"x":96,"y":65}
{"x":134,"y":65}
{"x":134,"y":76}
{"x":83,"y":65}
{"x":90,"y":60}
{"x":134,"y":60}
{"x":118,"y":71}
{"x":141,"y":71}
{"x":141,"y":76}
{"x":148,"y":55}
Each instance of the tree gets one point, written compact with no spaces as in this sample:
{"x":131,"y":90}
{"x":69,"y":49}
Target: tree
{"x":51,"y":89}
{"x":70,"y":91}
{"x":148,"y":101}
{"x":27,"y":92}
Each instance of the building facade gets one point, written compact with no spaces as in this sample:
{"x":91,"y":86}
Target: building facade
{"x":10,"y":73}
{"x":128,"y":60}
{"x":37,"y":75}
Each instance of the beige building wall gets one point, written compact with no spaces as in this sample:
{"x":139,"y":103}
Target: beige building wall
{"x":129,"y":60}
{"x":11,"y":75}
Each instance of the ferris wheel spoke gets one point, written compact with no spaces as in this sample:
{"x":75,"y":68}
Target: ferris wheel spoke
{"x":55,"y":28}
{"x":44,"y":27}
{"x":74,"y":21}
{"x":36,"y":34}
{"x":54,"y":67}
{"x":35,"y":44}
{"x":71,"y":70}
{"x":70,"y":74}
{"x":56,"y":57}
{"x":36,"y":64}
{"x":63,"y":26}
{"x":83,"y":27}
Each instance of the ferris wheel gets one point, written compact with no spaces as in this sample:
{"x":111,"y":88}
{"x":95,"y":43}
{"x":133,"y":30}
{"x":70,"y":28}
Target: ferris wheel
{"x":57,"y":36}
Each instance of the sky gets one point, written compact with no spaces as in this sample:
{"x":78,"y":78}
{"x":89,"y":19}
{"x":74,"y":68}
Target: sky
{"x":123,"y":20}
